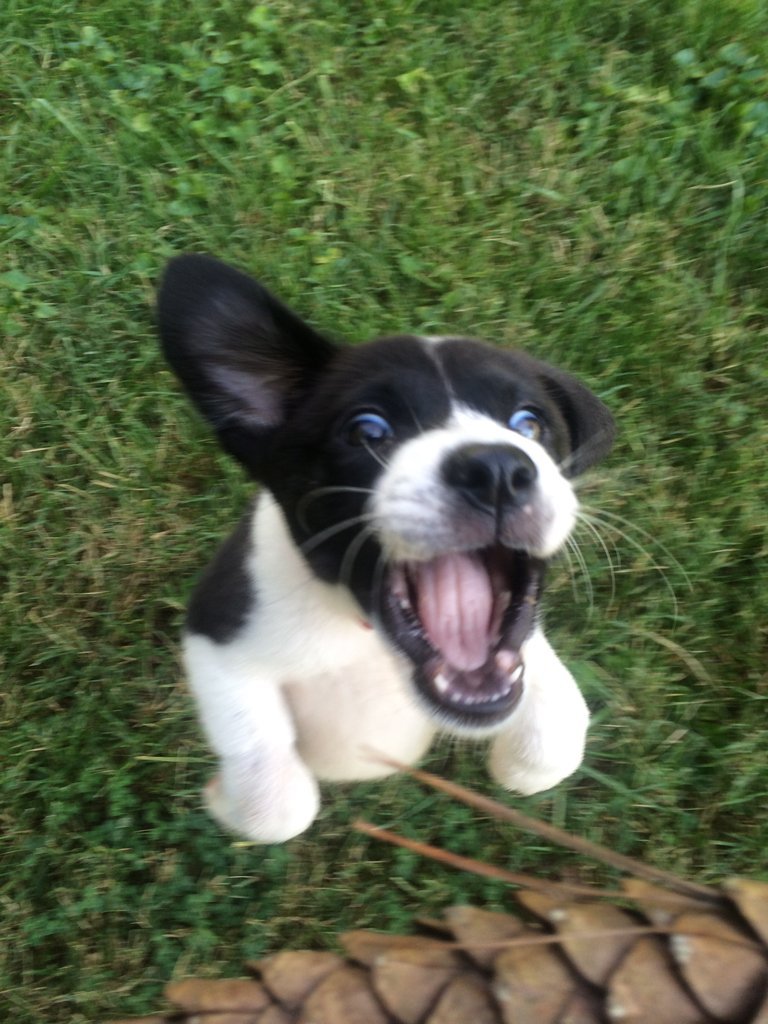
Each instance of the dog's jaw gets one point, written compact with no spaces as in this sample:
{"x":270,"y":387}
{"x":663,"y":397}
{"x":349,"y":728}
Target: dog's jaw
{"x":461,"y":594}
{"x":466,"y":654}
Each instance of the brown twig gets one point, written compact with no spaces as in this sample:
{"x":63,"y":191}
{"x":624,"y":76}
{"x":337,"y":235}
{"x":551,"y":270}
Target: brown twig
{"x":479,"y":867}
{"x":559,"y":836}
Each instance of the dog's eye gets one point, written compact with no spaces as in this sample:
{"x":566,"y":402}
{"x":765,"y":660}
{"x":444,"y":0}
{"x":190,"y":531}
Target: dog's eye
{"x":527,"y":423}
{"x":368,"y":429}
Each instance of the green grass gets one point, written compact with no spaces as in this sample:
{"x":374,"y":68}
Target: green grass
{"x":588,"y":180}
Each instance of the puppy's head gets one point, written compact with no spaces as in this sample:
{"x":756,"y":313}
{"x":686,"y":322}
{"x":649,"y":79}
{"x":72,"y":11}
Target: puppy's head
{"x":431,"y":477}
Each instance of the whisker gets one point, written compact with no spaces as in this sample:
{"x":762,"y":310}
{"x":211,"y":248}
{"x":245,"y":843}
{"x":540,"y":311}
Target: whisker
{"x":353,"y":550}
{"x":375,"y":455}
{"x":595,"y":533}
{"x":416,"y":419}
{"x":378,"y":579}
{"x":317,"y":492}
{"x":321,"y":492}
{"x":610,"y":518}
{"x":570,"y":567}
{"x":624,"y":529}
{"x":573,"y":552}
{"x":331,"y":531}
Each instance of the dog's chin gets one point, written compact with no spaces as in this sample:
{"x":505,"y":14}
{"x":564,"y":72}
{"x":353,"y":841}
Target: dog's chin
{"x":461,"y":619}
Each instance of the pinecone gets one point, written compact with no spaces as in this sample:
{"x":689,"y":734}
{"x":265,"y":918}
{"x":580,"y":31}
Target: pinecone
{"x":670,"y":953}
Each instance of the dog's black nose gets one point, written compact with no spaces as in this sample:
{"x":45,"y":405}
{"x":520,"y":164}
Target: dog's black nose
{"x":490,"y":476}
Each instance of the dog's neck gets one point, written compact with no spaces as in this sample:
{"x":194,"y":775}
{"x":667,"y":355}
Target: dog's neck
{"x":282,"y":572}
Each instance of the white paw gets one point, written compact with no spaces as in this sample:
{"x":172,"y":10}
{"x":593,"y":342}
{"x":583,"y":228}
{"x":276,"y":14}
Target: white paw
{"x":529,"y":780}
{"x":265,"y":807}
{"x":543,"y":742}
{"x":539,"y":758}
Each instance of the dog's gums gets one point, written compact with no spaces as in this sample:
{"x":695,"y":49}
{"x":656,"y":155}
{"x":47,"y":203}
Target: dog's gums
{"x":461,"y":619}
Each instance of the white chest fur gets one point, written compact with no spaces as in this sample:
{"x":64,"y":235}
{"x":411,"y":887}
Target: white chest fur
{"x":306,"y":650}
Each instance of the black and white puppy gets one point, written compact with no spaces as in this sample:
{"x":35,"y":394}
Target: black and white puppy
{"x":384,"y":586}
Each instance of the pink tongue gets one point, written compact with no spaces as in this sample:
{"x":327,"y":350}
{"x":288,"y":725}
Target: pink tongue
{"x":455,"y":607}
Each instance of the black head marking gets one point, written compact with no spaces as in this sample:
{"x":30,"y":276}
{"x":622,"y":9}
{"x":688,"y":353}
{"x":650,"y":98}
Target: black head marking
{"x":580,"y":427}
{"x":240,"y":353}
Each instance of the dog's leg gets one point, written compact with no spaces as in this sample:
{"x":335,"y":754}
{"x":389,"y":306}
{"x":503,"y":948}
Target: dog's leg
{"x":544,"y":740}
{"x":263,"y":791}
{"x":268,"y":797}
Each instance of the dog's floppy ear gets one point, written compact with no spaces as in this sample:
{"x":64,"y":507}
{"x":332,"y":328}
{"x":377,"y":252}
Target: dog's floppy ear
{"x":240,"y":353}
{"x":589,"y":422}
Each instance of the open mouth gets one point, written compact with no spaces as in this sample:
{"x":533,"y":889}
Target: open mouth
{"x":462,"y":619}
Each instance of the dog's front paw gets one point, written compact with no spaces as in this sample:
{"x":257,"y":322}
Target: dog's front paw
{"x":265,"y":805}
{"x":543,"y":742}
{"x":530,"y":760}
{"x":528,"y":779}
{"x":542,"y":748}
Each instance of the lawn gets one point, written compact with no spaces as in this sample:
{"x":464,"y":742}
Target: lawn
{"x":586,"y":180}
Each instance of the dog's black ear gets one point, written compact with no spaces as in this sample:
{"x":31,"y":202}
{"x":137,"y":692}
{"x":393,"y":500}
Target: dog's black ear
{"x":591,"y":426}
{"x":240,"y":353}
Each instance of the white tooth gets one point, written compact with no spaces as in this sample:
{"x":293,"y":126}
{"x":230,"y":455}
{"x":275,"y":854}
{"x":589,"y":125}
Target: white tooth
{"x":441,"y":683}
{"x":505,"y":661}
{"x":516,"y":674}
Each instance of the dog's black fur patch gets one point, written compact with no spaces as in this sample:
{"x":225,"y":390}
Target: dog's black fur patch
{"x":224,"y":596}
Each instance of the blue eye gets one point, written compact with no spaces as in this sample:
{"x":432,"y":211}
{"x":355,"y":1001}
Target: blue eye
{"x":368,"y":429}
{"x":526,"y":423}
